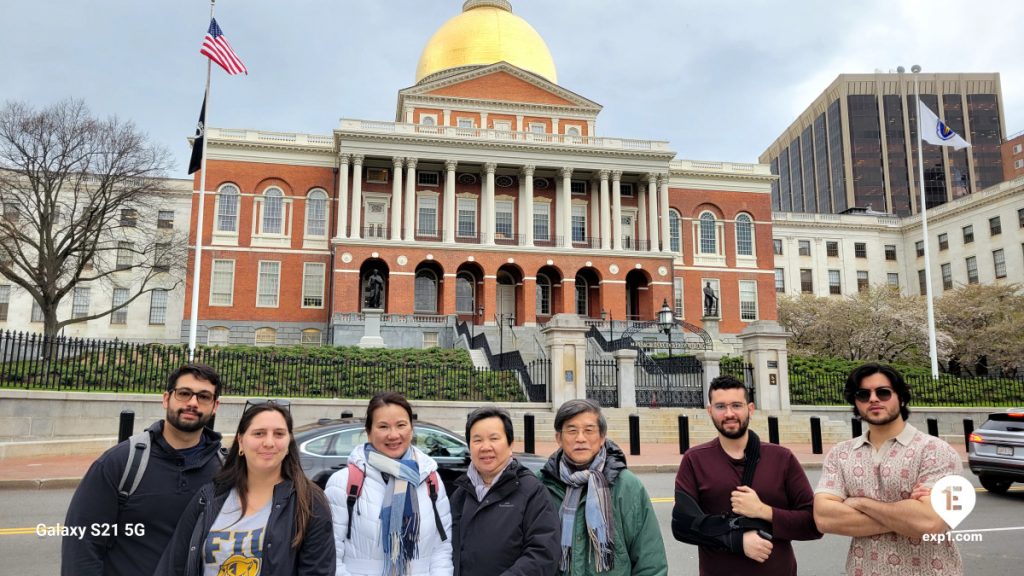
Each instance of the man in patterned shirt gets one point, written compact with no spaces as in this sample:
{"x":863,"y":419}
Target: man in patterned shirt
{"x":876,"y":487}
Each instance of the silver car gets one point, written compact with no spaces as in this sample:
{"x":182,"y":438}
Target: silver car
{"x":996,"y":452}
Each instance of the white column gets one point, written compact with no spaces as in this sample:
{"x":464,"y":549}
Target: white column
{"x":554,"y":125}
{"x":641,"y":213}
{"x":449,"y":200}
{"x":396,"y":198}
{"x":519,"y":123}
{"x":409,"y":212}
{"x":664,"y":213}
{"x":595,"y":212}
{"x":487,"y":204}
{"x":652,"y":211}
{"x":483,"y":120}
{"x":343,"y":196}
{"x":566,"y":200}
{"x":616,"y":209}
{"x":447,"y":115}
{"x":526,"y":199}
{"x":606,"y":214}
{"x":357,"y":197}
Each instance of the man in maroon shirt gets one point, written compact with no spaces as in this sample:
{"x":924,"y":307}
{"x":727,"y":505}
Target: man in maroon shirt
{"x":742,"y":522}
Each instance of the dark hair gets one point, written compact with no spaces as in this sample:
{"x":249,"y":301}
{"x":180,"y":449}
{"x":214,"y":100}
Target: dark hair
{"x":490,"y":412}
{"x":235,"y":474}
{"x":871,"y":368}
{"x":199,"y":372}
{"x":574,"y":408}
{"x":383,"y":399}
{"x":727,"y":382}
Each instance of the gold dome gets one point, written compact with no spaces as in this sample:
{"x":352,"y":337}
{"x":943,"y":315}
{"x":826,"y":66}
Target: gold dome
{"x":486,"y":32}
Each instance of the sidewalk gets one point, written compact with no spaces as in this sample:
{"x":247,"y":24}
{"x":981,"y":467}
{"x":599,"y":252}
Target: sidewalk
{"x":66,"y":471}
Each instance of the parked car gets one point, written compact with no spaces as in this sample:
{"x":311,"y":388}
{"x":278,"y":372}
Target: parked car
{"x":997,"y":450}
{"x":324,"y":448}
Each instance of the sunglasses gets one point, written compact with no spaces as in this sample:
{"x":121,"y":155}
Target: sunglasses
{"x":186,"y":394}
{"x":252,"y":403}
{"x":863,"y":395}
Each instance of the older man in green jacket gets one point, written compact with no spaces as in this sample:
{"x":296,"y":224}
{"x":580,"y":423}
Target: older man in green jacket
{"x":608,"y":523}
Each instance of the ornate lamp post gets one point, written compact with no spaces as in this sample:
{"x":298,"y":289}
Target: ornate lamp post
{"x":666,"y":319}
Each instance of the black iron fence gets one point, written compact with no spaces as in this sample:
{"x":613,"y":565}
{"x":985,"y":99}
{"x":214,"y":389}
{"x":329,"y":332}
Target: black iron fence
{"x":30,"y":361}
{"x":678,"y":384}
{"x":540,"y":376}
{"x":603,"y":382}
{"x":948,"y":390}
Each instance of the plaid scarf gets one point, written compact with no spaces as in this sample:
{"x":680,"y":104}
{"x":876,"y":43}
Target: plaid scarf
{"x":598,"y":512}
{"x":400,"y":511}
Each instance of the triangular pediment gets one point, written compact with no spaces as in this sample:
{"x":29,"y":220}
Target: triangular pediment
{"x":500,"y":82}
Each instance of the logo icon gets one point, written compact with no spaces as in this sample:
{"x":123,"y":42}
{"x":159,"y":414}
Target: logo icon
{"x":943,"y":131}
{"x":953,"y":498}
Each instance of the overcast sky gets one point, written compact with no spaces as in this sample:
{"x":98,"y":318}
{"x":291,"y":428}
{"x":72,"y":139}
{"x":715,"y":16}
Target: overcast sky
{"x":719,"y":79}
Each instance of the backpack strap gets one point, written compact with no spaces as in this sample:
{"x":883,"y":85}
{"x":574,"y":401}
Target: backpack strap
{"x":140,"y":446}
{"x":352,"y":491}
{"x":433,"y":484}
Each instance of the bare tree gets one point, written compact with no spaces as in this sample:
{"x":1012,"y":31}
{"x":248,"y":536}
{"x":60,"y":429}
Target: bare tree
{"x":81,"y":199}
{"x":988,"y":323}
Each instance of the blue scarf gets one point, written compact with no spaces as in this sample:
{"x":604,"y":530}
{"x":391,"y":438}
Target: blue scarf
{"x":598,"y":512}
{"x":400,"y":511}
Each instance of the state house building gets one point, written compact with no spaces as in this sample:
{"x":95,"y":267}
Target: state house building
{"x":491,"y":198}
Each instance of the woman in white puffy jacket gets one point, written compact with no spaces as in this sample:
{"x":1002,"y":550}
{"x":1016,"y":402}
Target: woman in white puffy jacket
{"x":395,"y":529}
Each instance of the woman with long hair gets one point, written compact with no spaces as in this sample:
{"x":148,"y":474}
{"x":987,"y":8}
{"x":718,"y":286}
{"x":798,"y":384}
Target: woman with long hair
{"x":260,"y":515}
{"x":391,"y":513}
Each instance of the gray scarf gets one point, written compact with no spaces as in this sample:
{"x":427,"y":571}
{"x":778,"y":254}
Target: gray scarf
{"x":598,"y":512}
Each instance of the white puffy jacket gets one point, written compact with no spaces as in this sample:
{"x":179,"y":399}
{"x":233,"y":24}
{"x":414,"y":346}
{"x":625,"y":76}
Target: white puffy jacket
{"x":363,"y":554}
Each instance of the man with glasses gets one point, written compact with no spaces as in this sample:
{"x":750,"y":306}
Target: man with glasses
{"x":119,"y":531}
{"x":876,"y":487}
{"x":740,"y":500}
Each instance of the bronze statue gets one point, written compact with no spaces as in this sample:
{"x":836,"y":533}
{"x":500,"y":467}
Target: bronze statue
{"x":375,"y":290}
{"x":710,"y":301}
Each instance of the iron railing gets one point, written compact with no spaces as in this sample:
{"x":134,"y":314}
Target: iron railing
{"x":31,"y":361}
{"x":948,"y":390}
{"x":603,"y":382}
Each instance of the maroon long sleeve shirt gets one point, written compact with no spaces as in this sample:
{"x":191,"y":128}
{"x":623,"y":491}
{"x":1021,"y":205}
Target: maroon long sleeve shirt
{"x":709,"y":475}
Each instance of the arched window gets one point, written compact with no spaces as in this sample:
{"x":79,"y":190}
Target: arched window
{"x":425,"y":299}
{"x":674,"y":232}
{"x":543,"y":295}
{"x":266,"y":336}
{"x":465,"y":293}
{"x":582,"y":296}
{"x":316,"y":214}
{"x":218,"y":336}
{"x":227,"y":208}
{"x":311,"y":337}
{"x":427,"y":120}
{"x":744,"y":235}
{"x":708,"y":236}
{"x":273,"y":217}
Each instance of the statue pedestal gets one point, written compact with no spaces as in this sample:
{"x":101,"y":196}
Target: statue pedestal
{"x":371,"y":330}
{"x":710,"y":324}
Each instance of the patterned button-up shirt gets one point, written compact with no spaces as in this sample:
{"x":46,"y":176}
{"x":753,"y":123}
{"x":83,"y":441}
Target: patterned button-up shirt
{"x":855,"y":468}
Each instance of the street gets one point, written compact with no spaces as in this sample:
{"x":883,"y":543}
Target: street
{"x":1000,"y":552}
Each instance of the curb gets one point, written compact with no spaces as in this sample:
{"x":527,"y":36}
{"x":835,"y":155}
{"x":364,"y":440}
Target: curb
{"x":40,"y":484}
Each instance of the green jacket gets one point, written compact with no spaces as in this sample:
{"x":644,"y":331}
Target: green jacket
{"x":639,"y":549}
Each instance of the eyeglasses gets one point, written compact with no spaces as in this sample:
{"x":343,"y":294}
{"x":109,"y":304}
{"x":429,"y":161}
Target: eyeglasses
{"x":864,"y":395}
{"x":186,"y":394}
{"x":283,"y":404}
{"x":735,"y":407}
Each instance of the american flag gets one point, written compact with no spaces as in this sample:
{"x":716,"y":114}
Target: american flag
{"x":216,"y":48}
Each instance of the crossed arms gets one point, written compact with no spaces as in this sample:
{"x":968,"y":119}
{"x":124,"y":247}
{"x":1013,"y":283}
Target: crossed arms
{"x":860,"y":516}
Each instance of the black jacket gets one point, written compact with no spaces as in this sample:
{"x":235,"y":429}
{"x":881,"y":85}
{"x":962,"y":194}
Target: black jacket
{"x":166,"y":487}
{"x":315,"y":557}
{"x":514,"y":531}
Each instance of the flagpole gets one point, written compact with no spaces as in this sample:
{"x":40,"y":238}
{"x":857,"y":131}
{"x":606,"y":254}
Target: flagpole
{"x":923,"y":209}
{"x":197,"y":264}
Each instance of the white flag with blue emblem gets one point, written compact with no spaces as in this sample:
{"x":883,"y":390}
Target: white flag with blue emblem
{"x":935,"y":131}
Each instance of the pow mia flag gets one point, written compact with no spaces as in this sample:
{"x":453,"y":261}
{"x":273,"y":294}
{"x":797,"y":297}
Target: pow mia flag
{"x":196,"y":161}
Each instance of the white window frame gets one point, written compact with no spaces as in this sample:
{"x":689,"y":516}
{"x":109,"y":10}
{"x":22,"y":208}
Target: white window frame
{"x":223,"y":211}
{"x":265,"y":331}
{"x":428,"y":120}
{"x":125,"y":256}
{"x":750,"y":286}
{"x":577,"y":187}
{"x":420,"y":200}
{"x":465,"y":122}
{"x":741,"y":258}
{"x":80,"y":301}
{"x":5,"y":301}
{"x":214,"y":294}
{"x":313,"y":272}
{"x":158,"y":314}
{"x":999,"y":263}
{"x":305,"y":337}
{"x":544,"y":289}
{"x":545,"y":208}
{"x":162,"y":221}
{"x":465,"y":276}
{"x":310,"y":203}
{"x":465,"y":205}
{"x":503,"y":125}
{"x":946,"y":271}
{"x":700,"y":255}
{"x":537,"y":128}
{"x":376,"y":175}
{"x":835,"y":281}
{"x":675,"y":231}
{"x":971,"y":263}
{"x":431,"y":339}
{"x":37,"y":312}
{"x":1018,"y":163}
{"x":420,"y":181}
{"x":117,"y":317}
{"x":260,"y":284}
{"x":218,"y":341}
{"x":892,"y":279}
{"x":780,"y":280}
{"x":579,"y":213}
{"x":423,"y":272}
{"x":677,"y":297}
{"x":510,"y":205}
{"x":276,"y":193}
{"x":568,"y":130}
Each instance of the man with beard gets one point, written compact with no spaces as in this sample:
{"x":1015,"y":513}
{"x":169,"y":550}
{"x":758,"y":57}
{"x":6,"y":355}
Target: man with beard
{"x":740,"y":500}
{"x":125,"y":531}
{"x":876,"y":487}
